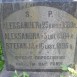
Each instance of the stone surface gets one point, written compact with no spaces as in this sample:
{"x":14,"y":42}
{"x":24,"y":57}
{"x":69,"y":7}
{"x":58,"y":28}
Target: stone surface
{"x":14,"y":7}
{"x":5,"y":73}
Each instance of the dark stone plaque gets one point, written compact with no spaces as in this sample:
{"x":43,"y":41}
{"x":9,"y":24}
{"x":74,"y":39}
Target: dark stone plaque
{"x":39,"y":36}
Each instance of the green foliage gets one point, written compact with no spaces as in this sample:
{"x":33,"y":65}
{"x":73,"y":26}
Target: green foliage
{"x":64,"y":67}
{"x":23,"y":74}
{"x":1,"y":65}
{"x":1,"y":58}
{"x":69,"y":69}
{"x":61,"y":76}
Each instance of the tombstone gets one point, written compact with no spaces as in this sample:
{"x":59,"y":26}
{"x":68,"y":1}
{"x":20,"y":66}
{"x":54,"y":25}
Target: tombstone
{"x":39,"y":37}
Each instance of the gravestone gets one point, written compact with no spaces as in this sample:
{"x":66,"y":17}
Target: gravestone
{"x":39,"y":36}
